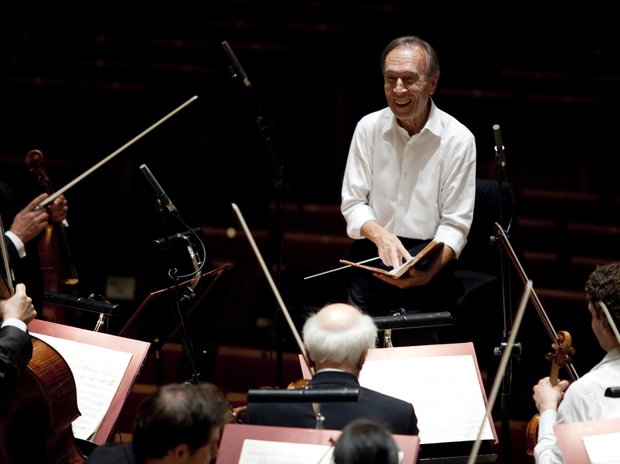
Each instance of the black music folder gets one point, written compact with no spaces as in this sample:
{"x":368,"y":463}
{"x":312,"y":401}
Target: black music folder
{"x":156,"y":318}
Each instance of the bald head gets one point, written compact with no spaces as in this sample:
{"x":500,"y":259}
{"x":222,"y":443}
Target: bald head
{"x":338,"y":317}
{"x":338,"y":336}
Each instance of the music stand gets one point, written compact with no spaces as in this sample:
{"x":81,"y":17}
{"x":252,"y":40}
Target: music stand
{"x":156,"y":319}
{"x":234,"y":435}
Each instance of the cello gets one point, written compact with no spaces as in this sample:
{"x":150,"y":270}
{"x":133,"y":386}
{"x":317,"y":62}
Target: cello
{"x":36,"y":411}
{"x":55,"y":261}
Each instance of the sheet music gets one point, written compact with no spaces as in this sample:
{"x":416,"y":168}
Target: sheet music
{"x":444,"y":390}
{"x":98,"y":372}
{"x":277,"y":452}
{"x":603,"y":448}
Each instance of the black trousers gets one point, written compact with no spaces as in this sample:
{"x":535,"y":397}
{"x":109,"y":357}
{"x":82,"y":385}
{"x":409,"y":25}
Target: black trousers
{"x":378,"y":298}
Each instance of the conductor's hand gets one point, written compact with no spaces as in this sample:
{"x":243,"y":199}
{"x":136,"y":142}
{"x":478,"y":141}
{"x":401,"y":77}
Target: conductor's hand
{"x":420,"y":276}
{"x":19,"y":306}
{"x":413,"y":278}
{"x":389,"y":247}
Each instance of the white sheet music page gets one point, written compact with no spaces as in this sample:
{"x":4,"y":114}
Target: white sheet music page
{"x":603,"y":448}
{"x":98,"y":372}
{"x":444,"y":390}
{"x":277,"y":452}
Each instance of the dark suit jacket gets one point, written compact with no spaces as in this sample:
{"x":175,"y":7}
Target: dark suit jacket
{"x":26,"y":270}
{"x":113,"y":454}
{"x":9,"y":207}
{"x":398,"y":415}
{"x":15,"y":353}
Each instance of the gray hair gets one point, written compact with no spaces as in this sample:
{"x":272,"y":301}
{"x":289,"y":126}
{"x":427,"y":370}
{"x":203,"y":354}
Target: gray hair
{"x":414,"y":41}
{"x":339,"y":345}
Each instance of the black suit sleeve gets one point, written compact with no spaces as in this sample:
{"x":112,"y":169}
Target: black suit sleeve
{"x":15,"y":353}
{"x":9,"y":207}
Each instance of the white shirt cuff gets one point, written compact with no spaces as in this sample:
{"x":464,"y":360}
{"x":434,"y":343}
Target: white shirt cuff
{"x":15,"y":323}
{"x":19,"y":245}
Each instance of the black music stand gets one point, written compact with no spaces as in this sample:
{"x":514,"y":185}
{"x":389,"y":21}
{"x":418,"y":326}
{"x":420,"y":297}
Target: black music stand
{"x":156,"y":320}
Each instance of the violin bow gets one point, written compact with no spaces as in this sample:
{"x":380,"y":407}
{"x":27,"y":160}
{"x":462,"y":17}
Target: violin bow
{"x":507,"y":247}
{"x":89,"y":171}
{"x":272,"y":284}
{"x":6,"y":285}
{"x":610,"y":319}
{"x":501,"y":369}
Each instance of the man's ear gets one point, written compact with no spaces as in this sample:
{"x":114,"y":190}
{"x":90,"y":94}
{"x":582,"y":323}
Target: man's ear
{"x":433,"y":85}
{"x":180,"y":451}
{"x":362,"y":360}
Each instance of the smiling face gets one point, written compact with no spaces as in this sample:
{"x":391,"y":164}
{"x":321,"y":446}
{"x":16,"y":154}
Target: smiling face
{"x":408,"y":86}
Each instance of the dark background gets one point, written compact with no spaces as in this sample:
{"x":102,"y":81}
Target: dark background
{"x":79,"y":83}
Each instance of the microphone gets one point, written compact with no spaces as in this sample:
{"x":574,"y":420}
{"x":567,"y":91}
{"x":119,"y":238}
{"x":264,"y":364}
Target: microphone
{"x":499,"y":145}
{"x":160,"y":242}
{"x":302,"y":395}
{"x":86,"y":304}
{"x":408,"y":321}
{"x":160,"y":191}
{"x":239,"y":72}
{"x":612,"y":392}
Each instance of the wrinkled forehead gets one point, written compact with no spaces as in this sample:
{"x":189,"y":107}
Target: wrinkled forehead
{"x":406,"y":58}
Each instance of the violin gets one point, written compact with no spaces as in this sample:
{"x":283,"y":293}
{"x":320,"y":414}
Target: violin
{"x":56,"y":263}
{"x":560,"y":357}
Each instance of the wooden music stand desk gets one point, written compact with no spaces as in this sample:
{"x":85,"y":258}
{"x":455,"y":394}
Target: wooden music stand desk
{"x":137,"y":349}
{"x":234,"y":435}
{"x":570,"y":437}
{"x":413,"y":374}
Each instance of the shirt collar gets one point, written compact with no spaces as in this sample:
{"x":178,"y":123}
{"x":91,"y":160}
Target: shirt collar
{"x":433,"y":123}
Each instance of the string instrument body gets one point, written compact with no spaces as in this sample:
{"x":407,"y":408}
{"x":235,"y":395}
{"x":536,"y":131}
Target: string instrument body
{"x":37,"y":411}
{"x":55,"y":261}
{"x":560,"y":357}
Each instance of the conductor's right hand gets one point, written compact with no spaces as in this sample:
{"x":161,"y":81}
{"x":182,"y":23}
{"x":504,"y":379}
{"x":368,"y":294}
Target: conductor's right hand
{"x":19,"y":306}
{"x":389,"y":247}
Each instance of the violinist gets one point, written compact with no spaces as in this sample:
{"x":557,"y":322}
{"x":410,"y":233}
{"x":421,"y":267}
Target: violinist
{"x":584,"y":399}
{"x":22,"y":226}
{"x":15,"y":342}
{"x":336,"y":340}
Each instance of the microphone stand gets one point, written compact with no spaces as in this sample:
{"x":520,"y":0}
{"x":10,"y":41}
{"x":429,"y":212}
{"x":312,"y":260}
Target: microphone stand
{"x":180,"y":298}
{"x":500,"y":164}
{"x":280,"y":187}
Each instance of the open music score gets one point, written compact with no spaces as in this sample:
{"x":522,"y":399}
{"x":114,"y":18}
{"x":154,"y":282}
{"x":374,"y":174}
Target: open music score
{"x":447,"y":411}
{"x":247,"y":444}
{"x":105,"y":368}
{"x":420,"y":259}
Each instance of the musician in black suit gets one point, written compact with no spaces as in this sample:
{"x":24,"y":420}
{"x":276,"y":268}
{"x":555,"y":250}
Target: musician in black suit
{"x":15,"y":342}
{"x":337,"y":340}
{"x":21,"y":226}
{"x":177,"y":423}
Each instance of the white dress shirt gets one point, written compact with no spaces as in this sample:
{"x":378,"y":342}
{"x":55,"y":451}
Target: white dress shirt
{"x":421,"y":186}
